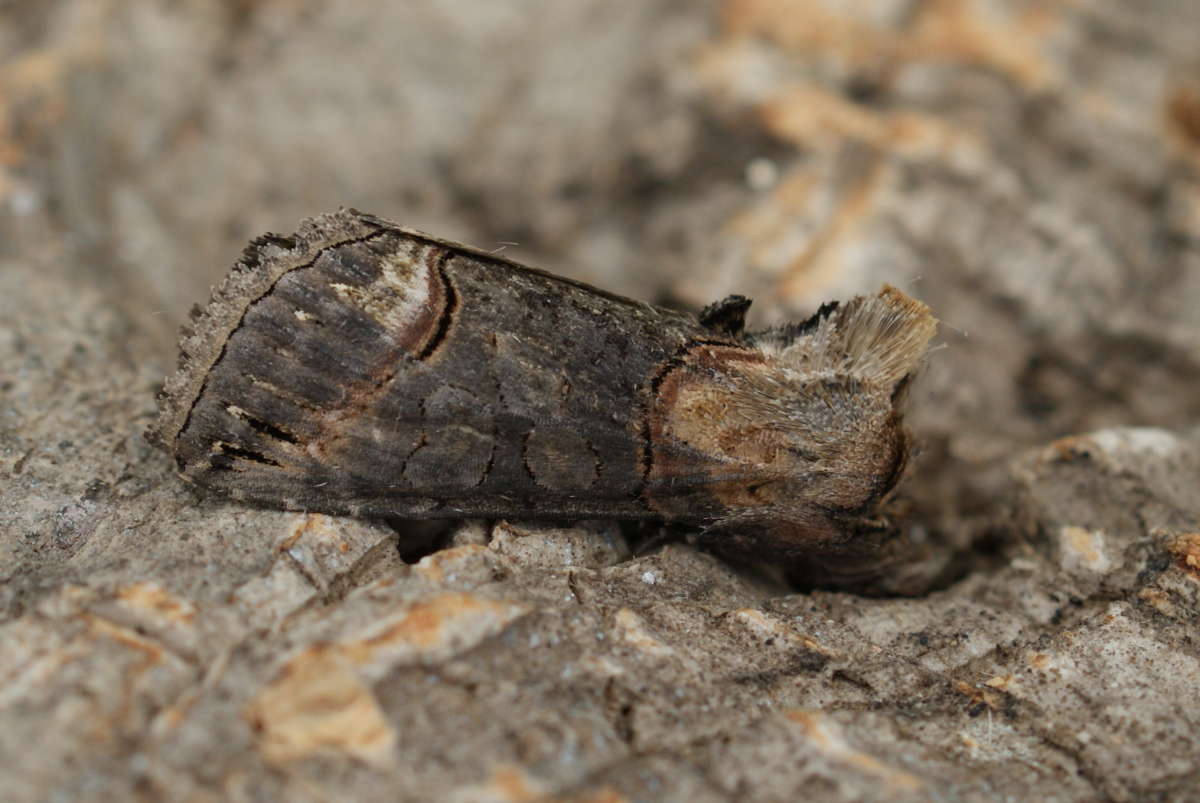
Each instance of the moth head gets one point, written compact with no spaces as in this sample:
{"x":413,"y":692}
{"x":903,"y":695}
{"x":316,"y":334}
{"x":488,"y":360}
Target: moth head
{"x":790,"y":442}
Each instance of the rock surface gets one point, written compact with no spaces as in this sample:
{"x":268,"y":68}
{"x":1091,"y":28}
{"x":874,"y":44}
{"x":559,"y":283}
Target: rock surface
{"x":1031,"y":170}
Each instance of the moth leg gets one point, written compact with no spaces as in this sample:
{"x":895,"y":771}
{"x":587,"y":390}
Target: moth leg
{"x":652,"y":535}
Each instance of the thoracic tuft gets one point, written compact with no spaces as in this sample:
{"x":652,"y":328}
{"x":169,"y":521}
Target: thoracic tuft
{"x":878,"y":339}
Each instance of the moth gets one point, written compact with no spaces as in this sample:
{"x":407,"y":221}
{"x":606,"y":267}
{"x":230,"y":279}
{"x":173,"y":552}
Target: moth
{"x":358,"y":367}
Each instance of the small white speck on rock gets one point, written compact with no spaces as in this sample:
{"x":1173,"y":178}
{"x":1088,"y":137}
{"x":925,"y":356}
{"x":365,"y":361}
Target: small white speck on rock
{"x":762,"y":174}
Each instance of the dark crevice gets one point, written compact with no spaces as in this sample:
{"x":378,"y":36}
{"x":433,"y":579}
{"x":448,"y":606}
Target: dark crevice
{"x":647,"y":536}
{"x":418,"y":538}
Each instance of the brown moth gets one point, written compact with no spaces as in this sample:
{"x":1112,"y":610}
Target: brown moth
{"x":361,"y":368}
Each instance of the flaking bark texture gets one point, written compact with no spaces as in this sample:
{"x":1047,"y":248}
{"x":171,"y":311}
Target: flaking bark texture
{"x":1028,"y":170}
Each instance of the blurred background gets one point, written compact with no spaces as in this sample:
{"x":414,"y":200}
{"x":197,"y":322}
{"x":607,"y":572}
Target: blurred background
{"x":1029,"y":168}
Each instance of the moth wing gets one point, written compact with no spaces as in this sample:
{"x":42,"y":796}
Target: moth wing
{"x":359,"y":367}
